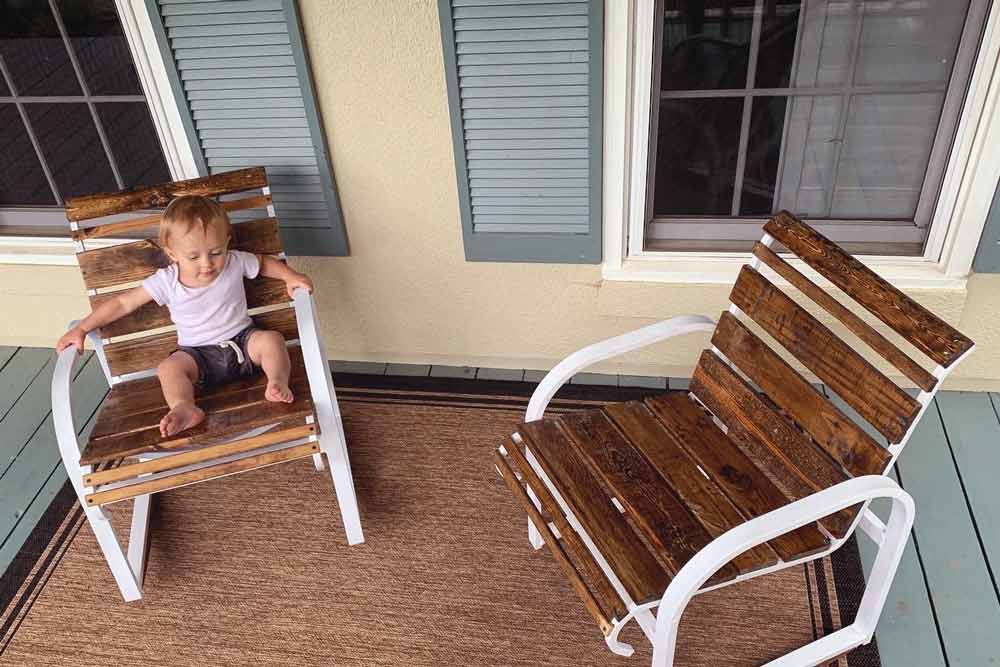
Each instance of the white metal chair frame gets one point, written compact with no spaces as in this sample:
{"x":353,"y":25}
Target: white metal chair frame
{"x":127,"y":566}
{"x":661,"y":629}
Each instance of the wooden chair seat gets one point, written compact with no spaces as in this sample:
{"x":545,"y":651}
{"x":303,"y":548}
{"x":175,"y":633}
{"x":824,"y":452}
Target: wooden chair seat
{"x":679,"y":481}
{"x":128,"y":421}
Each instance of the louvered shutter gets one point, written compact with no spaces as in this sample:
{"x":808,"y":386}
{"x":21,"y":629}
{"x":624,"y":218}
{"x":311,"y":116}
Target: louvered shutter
{"x":525,"y":92}
{"x":242,"y":81}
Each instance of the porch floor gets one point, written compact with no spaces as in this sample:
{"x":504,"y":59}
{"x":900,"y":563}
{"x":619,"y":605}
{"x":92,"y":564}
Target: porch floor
{"x":943,"y":609}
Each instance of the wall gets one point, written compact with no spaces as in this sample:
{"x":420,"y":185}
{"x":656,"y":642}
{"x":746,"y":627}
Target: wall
{"x":406,"y":292}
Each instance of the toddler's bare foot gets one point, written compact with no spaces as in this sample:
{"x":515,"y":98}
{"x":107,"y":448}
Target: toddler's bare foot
{"x":182,"y":417}
{"x":278,"y":392}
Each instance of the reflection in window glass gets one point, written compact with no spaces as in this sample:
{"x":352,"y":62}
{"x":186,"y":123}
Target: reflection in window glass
{"x":134,"y":143}
{"x":767,"y":119}
{"x":72,"y":148}
{"x":706,"y":44}
{"x":34,"y":51}
{"x":101,"y":49}
{"x":22,"y":181}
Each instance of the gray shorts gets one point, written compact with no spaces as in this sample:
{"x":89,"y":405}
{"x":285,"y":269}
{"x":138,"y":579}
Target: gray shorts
{"x":221,"y":363}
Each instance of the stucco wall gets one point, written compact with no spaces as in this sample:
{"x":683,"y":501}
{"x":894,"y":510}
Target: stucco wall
{"x":406,"y":292}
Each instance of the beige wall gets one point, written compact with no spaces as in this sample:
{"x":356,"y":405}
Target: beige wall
{"x":406,"y":292}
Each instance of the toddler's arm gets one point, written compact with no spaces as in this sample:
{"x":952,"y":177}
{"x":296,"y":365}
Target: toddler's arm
{"x":118,"y":306}
{"x":272,"y":268}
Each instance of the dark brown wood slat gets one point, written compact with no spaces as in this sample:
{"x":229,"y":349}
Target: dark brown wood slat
{"x":639,"y":571}
{"x":855,"y":324}
{"x":666,"y":523}
{"x":709,"y":505}
{"x":260,"y":292}
{"x":130,"y":262}
{"x":592,"y":573}
{"x":780,"y":451}
{"x":927,"y":332}
{"x":594,"y":607}
{"x":138,"y":354}
{"x":158,"y":196}
{"x":254,"y":410}
{"x":842,"y":439}
{"x":729,"y":468}
{"x":876,"y":398}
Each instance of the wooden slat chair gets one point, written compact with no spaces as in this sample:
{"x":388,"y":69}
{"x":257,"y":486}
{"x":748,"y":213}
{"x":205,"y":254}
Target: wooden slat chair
{"x":241,"y":431}
{"x":647,"y":503}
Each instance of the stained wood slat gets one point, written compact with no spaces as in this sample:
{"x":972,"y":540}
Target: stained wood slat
{"x":130,"y":262}
{"x":664,"y":520}
{"x":110,"y":229}
{"x":927,"y":332}
{"x":260,"y":291}
{"x":790,"y":461}
{"x":202,"y":474}
{"x":887,"y":407}
{"x":158,"y":196}
{"x":640,"y":573}
{"x":138,"y":354}
{"x":855,"y":324}
{"x":181,"y":459}
{"x":839,"y":436}
{"x":707,"y":503}
{"x":729,"y":468}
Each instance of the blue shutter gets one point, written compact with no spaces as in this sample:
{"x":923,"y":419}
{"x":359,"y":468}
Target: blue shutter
{"x":988,"y":254}
{"x":525,"y":85}
{"x":242,"y":81}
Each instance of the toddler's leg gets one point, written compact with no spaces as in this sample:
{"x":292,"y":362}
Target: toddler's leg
{"x":177,"y":374}
{"x":267,"y":350}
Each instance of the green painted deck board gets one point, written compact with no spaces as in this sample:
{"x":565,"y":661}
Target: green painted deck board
{"x":6,"y":352}
{"x":18,"y":373}
{"x":25,"y":416}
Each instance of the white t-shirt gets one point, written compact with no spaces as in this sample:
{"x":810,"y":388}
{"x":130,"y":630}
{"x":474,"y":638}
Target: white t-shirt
{"x":209,"y":314}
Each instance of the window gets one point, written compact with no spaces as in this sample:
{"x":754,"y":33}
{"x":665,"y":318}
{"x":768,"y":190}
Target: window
{"x":843,"y":112}
{"x":73,"y":117}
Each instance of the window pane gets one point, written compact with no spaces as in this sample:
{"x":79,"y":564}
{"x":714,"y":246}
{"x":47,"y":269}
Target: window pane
{"x":779,"y":25}
{"x":767,"y":119}
{"x":826,"y":44}
{"x":134,"y":143}
{"x":34,"y":51}
{"x":810,"y":152}
{"x":101,"y":49}
{"x":706,"y":44}
{"x":884,"y":156}
{"x":696,"y":156}
{"x":71,"y":148}
{"x":22,"y":181}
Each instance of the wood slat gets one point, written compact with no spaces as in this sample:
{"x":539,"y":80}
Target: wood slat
{"x":706,"y":502}
{"x":253,"y":410}
{"x":904,"y":364}
{"x":876,"y":398}
{"x":260,"y":291}
{"x":659,"y":514}
{"x":731,"y":470}
{"x":182,"y":459}
{"x":639,"y":571}
{"x":138,"y":354}
{"x":202,"y":474}
{"x":927,"y":332}
{"x":158,"y":196}
{"x":791,"y":462}
{"x":842,"y":439}
{"x":113,"y":228}
{"x":130,"y":262}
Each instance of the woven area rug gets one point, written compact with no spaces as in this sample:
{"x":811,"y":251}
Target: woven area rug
{"x":254,"y":569}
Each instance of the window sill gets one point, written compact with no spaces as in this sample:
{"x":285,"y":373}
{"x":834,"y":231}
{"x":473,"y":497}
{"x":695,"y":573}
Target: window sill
{"x":45,"y":250}
{"x":690,"y":268}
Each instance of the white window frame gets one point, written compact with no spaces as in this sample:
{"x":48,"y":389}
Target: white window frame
{"x":970,"y":179}
{"x":149,"y":65}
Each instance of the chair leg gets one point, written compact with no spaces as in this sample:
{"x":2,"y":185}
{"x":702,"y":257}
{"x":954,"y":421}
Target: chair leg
{"x":335,"y":446}
{"x":318,"y":462}
{"x":121,"y":569}
{"x":138,"y":535}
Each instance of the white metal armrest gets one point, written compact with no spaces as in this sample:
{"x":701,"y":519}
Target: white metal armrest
{"x":62,"y":413}
{"x":606,"y":349}
{"x":727,"y":546}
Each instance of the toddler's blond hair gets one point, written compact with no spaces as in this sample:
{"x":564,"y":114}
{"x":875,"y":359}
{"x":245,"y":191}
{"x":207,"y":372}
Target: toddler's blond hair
{"x":183,"y":213}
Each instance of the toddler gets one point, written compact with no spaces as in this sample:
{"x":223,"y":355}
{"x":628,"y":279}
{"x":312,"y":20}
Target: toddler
{"x":203,"y":288}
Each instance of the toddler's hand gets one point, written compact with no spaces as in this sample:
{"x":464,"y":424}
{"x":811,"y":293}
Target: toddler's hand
{"x":299,"y":280}
{"x":74,"y":336}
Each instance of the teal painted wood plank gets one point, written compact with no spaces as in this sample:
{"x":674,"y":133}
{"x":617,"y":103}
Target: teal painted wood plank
{"x":962,"y":593}
{"x":40,"y":456}
{"x":973,"y":431}
{"x":6,"y":352}
{"x":25,"y":416}
{"x":20,"y":370}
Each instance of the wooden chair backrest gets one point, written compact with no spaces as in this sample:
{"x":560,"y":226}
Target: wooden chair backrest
{"x":794,"y":411}
{"x":140,"y":340}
